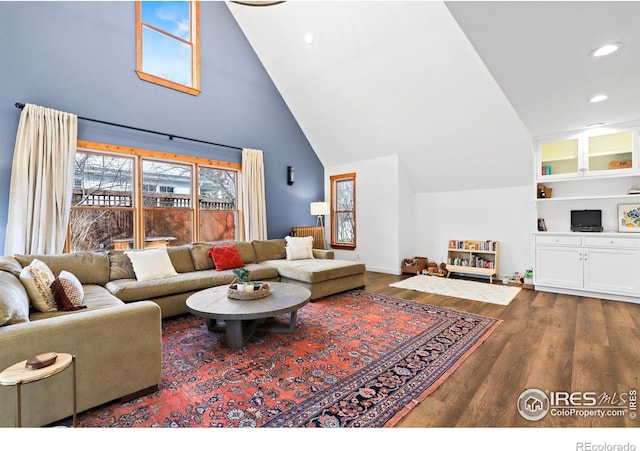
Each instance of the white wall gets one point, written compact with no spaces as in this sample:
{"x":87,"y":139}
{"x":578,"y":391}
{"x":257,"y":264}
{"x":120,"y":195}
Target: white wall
{"x":378,"y":213}
{"x":393,"y":223}
{"x":407,"y":217}
{"x":501,"y":214}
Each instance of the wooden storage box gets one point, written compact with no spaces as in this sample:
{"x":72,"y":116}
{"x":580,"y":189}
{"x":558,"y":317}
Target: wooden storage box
{"x":414,"y":265}
{"x":620,"y":164}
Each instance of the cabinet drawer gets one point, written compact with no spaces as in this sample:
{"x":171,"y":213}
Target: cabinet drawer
{"x":612,"y":242}
{"x":559,"y":240}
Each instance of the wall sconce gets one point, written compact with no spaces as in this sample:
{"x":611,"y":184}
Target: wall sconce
{"x":291,"y":173}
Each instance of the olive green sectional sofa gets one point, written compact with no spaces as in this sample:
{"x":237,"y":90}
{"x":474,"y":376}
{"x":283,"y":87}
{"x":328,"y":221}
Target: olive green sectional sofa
{"x":117,"y":338}
{"x":118,"y":346}
{"x":266,"y":259}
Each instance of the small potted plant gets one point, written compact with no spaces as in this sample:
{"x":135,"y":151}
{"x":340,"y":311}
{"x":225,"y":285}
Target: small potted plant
{"x":243,"y":277}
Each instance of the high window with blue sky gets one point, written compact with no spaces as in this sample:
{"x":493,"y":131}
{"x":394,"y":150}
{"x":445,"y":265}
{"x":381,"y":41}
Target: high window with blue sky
{"x":167,"y":34}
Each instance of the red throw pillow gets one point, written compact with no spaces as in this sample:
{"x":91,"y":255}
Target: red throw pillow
{"x":225,"y":257}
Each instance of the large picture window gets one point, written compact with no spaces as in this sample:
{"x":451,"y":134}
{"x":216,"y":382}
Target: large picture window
{"x":217,"y":199}
{"x":102,"y":205}
{"x":167,"y":36}
{"x":110,"y":210}
{"x":343,"y":211}
{"x":167,"y":203}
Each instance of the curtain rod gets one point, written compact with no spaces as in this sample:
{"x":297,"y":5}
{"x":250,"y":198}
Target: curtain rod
{"x":20,"y":106}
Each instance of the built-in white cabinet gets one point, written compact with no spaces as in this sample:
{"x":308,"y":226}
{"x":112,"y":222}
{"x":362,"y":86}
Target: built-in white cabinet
{"x":591,"y":153}
{"x":559,"y":262}
{"x":594,"y":169}
{"x":591,"y":169}
{"x":601,"y":265}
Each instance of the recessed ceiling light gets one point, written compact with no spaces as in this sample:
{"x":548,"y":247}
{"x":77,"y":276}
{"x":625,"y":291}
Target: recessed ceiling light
{"x":606,"y":49}
{"x":308,"y":38}
{"x":598,"y":98}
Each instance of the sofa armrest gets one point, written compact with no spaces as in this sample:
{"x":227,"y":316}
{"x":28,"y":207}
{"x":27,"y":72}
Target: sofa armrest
{"x":323,"y":253}
{"x":118,"y":352}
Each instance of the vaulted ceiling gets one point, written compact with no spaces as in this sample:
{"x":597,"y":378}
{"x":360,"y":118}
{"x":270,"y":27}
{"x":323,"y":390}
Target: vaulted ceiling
{"x":457,"y":90}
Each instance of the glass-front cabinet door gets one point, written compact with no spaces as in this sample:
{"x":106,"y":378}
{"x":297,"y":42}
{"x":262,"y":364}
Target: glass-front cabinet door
{"x":603,"y":153}
{"x":610,"y":152}
{"x":559,"y":157}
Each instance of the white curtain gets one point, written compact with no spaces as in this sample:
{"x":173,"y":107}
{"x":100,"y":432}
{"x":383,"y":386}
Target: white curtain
{"x":255,"y":211}
{"x":41,"y":181}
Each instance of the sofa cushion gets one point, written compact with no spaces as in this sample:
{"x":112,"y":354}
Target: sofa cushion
{"x":10,"y":265}
{"x":37,"y":278}
{"x":68,"y":292}
{"x":150,"y":264}
{"x":181,"y":258}
{"x":316,"y":270}
{"x":270,"y":249}
{"x":120,"y":266}
{"x":88,"y":267}
{"x":129,"y":290}
{"x":95,"y":297}
{"x":225,"y":257}
{"x":201,"y":261}
{"x":14,"y":300}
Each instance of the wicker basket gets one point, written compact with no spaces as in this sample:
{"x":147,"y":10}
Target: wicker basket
{"x":261,"y":290}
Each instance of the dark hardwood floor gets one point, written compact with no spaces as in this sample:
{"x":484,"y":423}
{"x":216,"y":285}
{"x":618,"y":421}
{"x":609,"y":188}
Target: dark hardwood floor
{"x":548,"y":341}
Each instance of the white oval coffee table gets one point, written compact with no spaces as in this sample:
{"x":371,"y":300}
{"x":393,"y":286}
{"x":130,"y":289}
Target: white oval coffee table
{"x":240,"y":319}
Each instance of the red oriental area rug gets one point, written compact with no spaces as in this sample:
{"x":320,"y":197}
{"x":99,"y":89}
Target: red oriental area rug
{"x":356,"y":359}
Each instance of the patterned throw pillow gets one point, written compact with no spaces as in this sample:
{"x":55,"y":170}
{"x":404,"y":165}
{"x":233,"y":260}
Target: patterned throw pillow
{"x":225,"y":257}
{"x":37,"y":279}
{"x":68,"y":292}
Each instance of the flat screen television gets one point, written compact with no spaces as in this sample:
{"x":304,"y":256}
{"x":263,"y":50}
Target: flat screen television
{"x":586,"y":220}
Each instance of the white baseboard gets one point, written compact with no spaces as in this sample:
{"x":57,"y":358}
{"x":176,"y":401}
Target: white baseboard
{"x":394,"y":271}
{"x":588,"y":294}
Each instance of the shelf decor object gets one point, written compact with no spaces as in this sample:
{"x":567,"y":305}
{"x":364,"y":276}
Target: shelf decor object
{"x":629,"y":218}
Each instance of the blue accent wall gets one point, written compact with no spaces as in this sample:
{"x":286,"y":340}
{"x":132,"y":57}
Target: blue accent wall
{"x":80,"y":57}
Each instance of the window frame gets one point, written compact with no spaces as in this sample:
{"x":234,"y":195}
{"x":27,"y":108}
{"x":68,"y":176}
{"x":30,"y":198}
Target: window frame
{"x":335,"y":179}
{"x":194,"y":43}
{"x":138,"y":208}
{"x":150,"y":212}
{"x":100,"y":206}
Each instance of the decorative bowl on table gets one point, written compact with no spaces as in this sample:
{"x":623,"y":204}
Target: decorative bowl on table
{"x":257,"y":290}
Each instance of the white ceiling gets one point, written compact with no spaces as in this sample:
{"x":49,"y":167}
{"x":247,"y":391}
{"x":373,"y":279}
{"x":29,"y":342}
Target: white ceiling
{"x":456,"y":90}
{"x":538,"y":52}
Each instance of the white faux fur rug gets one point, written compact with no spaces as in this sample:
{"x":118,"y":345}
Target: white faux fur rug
{"x":465,"y":289}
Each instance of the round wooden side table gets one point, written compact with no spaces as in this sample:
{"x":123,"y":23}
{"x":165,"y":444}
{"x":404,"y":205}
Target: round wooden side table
{"x":19,"y":375}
